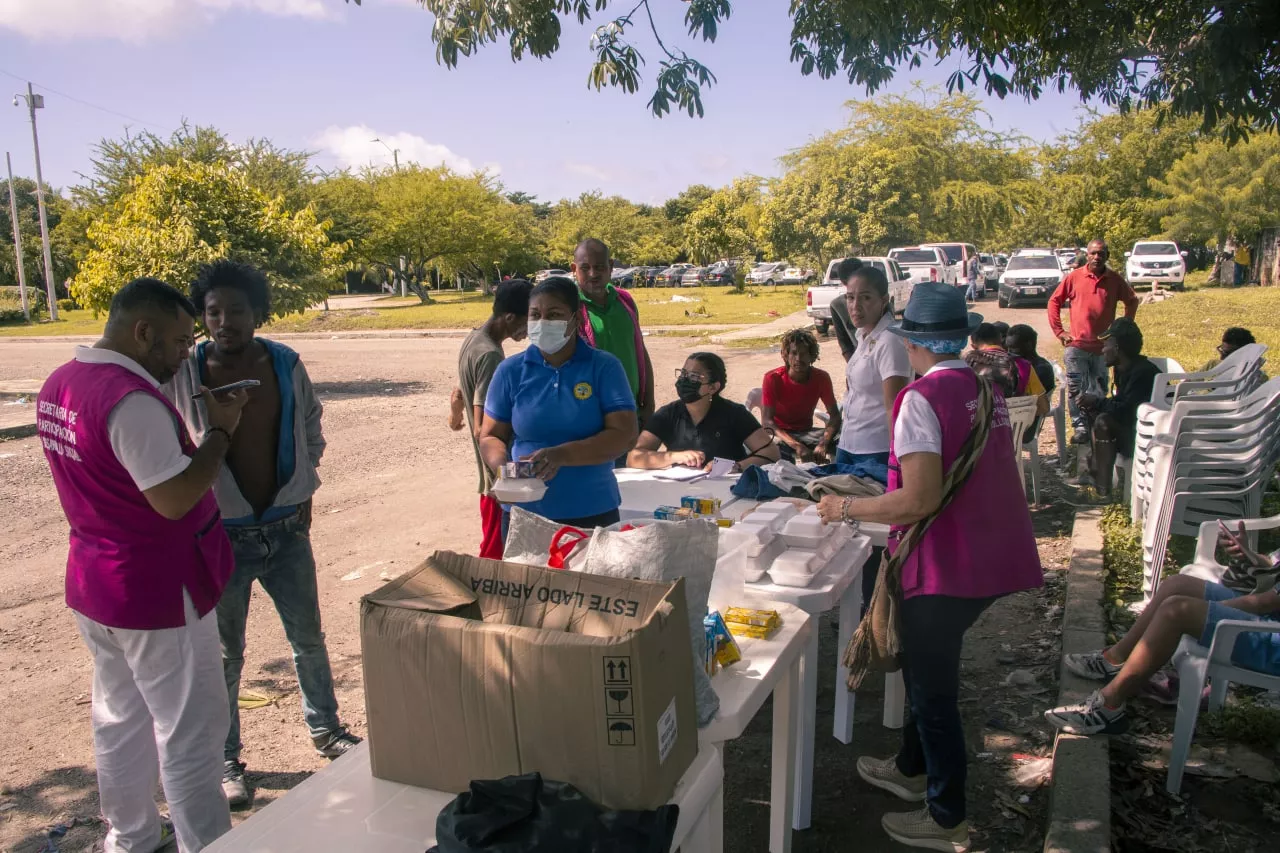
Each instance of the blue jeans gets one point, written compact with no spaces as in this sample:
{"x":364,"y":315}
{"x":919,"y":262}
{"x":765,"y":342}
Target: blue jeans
{"x":844,"y":457}
{"x":278,"y":556}
{"x":1259,"y":652}
{"x":1086,"y":374}
{"x":932,"y":628}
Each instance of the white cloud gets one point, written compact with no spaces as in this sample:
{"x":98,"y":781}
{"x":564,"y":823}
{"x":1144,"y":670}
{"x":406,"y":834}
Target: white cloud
{"x":586,"y":170}
{"x":354,"y":147}
{"x":136,"y":20}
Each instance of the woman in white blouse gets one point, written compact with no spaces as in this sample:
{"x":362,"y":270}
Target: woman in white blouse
{"x":877,"y":372}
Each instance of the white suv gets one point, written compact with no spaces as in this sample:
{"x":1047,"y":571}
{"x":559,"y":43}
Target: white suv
{"x":1156,"y":262}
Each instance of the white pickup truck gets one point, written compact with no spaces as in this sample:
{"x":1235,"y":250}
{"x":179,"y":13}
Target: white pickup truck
{"x":818,"y":298}
{"x":925,"y":263}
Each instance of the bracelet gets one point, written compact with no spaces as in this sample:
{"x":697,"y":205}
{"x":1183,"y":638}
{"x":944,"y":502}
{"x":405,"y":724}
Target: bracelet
{"x":844,"y":510}
{"x":218,"y":429}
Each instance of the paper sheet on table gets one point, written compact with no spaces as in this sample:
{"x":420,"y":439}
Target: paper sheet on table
{"x":680,"y":474}
{"x":721,"y":467}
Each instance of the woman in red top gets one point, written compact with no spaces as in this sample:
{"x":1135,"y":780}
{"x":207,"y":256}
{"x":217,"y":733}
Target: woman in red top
{"x":790,"y":397}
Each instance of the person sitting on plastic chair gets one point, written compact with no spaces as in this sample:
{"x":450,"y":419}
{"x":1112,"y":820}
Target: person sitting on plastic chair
{"x":790,"y":398}
{"x":1182,"y":606}
{"x":1115,"y":418}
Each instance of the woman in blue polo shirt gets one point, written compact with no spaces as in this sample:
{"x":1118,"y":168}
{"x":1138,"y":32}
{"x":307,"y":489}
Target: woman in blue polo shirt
{"x":565,"y":407}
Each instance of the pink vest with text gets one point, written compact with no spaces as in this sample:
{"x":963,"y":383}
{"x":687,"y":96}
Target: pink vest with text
{"x":127,"y":565}
{"x":982,"y":544}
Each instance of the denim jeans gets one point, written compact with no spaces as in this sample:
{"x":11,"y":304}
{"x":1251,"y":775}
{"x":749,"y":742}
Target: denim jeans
{"x":278,"y":556}
{"x":1086,"y":374}
{"x":844,"y":457}
{"x":932,"y":631}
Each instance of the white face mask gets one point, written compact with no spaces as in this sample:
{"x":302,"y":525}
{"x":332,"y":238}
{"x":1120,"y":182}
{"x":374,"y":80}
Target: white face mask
{"x":550,"y":336}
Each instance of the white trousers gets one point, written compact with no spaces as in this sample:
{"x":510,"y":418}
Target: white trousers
{"x":159,"y":714}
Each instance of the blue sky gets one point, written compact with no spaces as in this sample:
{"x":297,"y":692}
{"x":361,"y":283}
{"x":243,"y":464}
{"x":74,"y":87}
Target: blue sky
{"x":327,"y":77}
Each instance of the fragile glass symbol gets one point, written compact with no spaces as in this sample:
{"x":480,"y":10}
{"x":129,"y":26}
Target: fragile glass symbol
{"x":619,"y":696}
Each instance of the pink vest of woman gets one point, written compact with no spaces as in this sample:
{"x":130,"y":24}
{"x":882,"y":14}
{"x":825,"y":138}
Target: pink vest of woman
{"x":127,"y":565}
{"x":982,"y":544}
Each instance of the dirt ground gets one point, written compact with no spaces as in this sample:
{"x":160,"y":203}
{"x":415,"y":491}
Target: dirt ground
{"x":398,"y":485}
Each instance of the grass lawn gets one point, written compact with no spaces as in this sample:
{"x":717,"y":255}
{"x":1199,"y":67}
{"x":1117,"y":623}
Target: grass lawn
{"x":79,"y":322}
{"x":716,"y":305}
{"x":1189,"y":326}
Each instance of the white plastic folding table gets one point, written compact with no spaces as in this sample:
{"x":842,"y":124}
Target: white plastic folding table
{"x":645,"y":491}
{"x":839,"y":585}
{"x":344,"y":809}
{"x":768,"y":667}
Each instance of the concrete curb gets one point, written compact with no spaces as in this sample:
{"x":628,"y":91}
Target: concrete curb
{"x":1080,"y":799}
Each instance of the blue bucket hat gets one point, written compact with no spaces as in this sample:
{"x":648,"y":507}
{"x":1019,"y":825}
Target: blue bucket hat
{"x":937,"y":312}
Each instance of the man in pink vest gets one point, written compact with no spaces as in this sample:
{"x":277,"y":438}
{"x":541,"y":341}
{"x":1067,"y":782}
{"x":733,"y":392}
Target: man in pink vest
{"x":979,"y":547}
{"x":147,"y":563}
{"x":610,"y":321}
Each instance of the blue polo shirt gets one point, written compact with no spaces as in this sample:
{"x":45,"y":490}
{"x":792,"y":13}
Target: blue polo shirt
{"x":548,"y":406}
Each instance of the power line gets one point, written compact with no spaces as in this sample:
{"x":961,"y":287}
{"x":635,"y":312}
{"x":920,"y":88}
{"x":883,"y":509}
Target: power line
{"x":81,"y":101}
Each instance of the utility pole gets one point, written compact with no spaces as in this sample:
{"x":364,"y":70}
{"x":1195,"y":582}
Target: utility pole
{"x":36,"y":102}
{"x":395,"y":152}
{"x":17,"y":238}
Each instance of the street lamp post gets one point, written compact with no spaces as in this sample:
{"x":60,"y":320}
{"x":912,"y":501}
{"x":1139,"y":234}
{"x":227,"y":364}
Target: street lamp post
{"x":17,"y":239}
{"x":395,"y":152}
{"x":36,"y":102}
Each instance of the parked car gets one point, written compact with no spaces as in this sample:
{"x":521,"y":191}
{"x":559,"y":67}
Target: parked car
{"x":1156,"y":261}
{"x":768,"y":273}
{"x":693,"y":277}
{"x":818,"y":298}
{"x":543,"y":275}
{"x":1002,"y":261}
{"x":958,"y":255}
{"x":991,"y":275}
{"x":670,"y":277}
{"x":1031,"y":277}
{"x":719,"y":273}
{"x":924,"y":263}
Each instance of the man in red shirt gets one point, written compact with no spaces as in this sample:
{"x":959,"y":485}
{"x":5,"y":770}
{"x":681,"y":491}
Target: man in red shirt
{"x":1093,"y":292}
{"x":790,"y":397}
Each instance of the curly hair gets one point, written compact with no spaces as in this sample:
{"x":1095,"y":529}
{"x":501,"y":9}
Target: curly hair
{"x":249,"y":280}
{"x":801,"y":338}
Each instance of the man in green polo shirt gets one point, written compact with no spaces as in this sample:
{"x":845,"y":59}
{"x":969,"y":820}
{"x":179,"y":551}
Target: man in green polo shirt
{"x":611,"y":320}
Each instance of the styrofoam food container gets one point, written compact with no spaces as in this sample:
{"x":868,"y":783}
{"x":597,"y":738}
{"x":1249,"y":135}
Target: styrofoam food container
{"x":521,"y":491}
{"x":784,"y":578}
{"x":797,"y":560}
{"x":810,"y":511}
{"x":802,"y":532}
{"x":776,"y":510}
{"x":754,"y":531}
{"x":756,"y":566}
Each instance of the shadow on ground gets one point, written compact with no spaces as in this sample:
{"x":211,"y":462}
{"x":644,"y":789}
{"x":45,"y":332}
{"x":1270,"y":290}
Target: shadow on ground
{"x":369,"y":388}
{"x":63,"y":795}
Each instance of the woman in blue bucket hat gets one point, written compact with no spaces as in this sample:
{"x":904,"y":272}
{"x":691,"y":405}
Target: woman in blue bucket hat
{"x":959,"y":517}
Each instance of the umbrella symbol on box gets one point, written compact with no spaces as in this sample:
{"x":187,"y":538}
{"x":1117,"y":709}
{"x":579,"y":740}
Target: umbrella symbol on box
{"x":622,"y":734}
{"x":621,"y":698}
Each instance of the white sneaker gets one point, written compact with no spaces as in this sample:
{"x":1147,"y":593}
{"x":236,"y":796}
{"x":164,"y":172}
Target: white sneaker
{"x":885,"y":775}
{"x":919,"y":829}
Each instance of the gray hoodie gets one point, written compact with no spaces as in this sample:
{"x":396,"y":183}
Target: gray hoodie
{"x":301,"y":440}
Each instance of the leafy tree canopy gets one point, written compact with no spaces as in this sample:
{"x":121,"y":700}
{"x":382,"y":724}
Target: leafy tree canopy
{"x":635,"y":234}
{"x":177,"y":217}
{"x":1214,"y":60}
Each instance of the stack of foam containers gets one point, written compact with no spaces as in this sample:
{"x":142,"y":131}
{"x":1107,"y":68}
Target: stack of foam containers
{"x":811,"y":545}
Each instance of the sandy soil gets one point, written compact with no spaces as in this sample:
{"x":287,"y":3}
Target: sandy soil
{"x":398,"y":485}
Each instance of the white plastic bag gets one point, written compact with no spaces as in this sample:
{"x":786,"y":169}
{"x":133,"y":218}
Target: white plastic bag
{"x":665,"y":551}
{"x":532,"y":541}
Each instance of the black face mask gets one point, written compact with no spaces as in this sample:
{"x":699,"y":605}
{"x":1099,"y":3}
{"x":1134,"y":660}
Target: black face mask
{"x":688,"y":390}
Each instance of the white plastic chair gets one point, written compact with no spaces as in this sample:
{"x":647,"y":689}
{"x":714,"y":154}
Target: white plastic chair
{"x":754,"y":398}
{"x":1058,"y":411}
{"x":1166,"y":365}
{"x":1196,"y":664}
{"x":1022,"y":413}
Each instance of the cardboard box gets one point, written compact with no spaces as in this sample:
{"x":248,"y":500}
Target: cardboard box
{"x":478,"y":669}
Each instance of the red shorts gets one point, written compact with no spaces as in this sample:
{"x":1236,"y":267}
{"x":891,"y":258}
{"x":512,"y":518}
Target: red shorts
{"x":491,"y":543}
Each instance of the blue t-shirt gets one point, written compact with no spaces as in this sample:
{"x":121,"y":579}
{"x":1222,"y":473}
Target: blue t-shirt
{"x":547,"y":406}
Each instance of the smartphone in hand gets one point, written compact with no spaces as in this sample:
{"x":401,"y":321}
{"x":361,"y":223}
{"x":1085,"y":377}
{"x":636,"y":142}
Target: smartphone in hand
{"x":234,"y":386}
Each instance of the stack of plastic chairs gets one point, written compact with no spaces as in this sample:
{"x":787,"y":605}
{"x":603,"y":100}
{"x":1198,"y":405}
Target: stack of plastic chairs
{"x":1212,"y":461}
{"x":1236,"y":377}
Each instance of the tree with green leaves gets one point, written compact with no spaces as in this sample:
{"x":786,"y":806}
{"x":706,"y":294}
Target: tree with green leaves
{"x":635,"y":234}
{"x":1219,"y":192}
{"x":727,"y":223}
{"x":1218,"y":63}
{"x":57,"y":208}
{"x":177,"y":217}
{"x":443,"y":224}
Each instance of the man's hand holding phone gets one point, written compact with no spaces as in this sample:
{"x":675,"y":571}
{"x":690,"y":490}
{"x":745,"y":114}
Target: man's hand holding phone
{"x":1235,"y":545}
